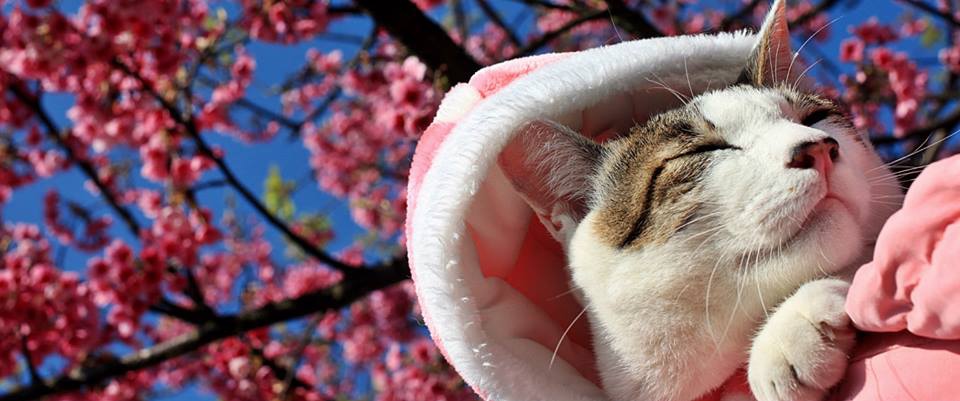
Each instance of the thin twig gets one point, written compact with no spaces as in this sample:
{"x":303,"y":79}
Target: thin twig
{"x":497,"y":20}
{"x":31,"y":368}
{"x":54,"y":133}
{"x":422,"y":37}
{"x":191,"y":130}
{"x":546,"y":4}
{"x":631,"y":20}
{"x":933,"y":11}
{"x":742,"y":13}
{"x":807,"y":16}
{"x":948,"y":121}
{"x":548,"y":37}
{"x":305,"y":340}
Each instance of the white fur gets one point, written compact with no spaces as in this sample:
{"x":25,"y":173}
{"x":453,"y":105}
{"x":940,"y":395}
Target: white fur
{"x":675,"y":320}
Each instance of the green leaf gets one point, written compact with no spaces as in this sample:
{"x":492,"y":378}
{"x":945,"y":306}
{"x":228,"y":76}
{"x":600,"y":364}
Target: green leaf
{"x":931,"y":35}
{"x":276,"y":194}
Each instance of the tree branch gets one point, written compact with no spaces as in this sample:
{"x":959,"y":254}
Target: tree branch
{"x":191,"y":130}
{"x":744,"y":12}
{"x":307,"y":337}
{"x":31,"y":368}
{"x":54,"y":133}
{"x":548,"y":37}
{"x":333,"y":298}
{"x":546,"y":4}
{"x":497,"y":20}
{"x":933,"y":11}
{"x":947,"y":121}
{"x":423,"y":37}
{"x":633,"y":21}
{"x":823,"y":6}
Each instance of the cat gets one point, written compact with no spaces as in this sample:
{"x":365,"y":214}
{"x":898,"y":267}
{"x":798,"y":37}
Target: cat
{"x":717,"y":235}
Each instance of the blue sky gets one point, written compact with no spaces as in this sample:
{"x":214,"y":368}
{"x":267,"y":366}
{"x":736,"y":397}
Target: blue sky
{"x":251,"y":161}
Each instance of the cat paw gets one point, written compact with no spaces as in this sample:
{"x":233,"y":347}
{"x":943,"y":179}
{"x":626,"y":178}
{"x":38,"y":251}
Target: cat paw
{"x":801,"y":351}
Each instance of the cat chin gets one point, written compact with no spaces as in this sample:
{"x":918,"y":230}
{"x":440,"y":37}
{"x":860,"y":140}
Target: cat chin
{"x":832,"y":237}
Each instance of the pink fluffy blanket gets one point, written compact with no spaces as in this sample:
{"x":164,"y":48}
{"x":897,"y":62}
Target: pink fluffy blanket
{"x":491,"y":280}
{"x":907,"y":300}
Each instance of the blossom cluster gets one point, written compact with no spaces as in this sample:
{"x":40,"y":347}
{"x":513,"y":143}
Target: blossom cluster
{"x":883,"y":73}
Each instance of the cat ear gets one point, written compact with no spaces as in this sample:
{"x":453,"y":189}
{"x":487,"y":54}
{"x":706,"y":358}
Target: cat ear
{"x":550,"y":165}
{"x":771,"y":59}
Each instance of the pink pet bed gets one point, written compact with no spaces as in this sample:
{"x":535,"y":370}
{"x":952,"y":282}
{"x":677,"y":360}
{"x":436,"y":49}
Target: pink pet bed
{"x":490,"y":276}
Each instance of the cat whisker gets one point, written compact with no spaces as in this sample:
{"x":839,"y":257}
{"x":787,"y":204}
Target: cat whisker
{"x":687,"y":73}
{"x":756,"y":279}
{"x":680,"y":293}
{"x":741,"y":267}
{"x":663,"y":84}
{"x":706,"y":305}
{"x":613,"y":24}
{"x":562,"y":294}
{"x":886,"y":203}
{"x":923,"y":146}
{"x":887,"y":197}
{"x":804,"y":44}
{"x":796,"y":83}
{"x":736,"y":305}
{"x":556,"y":349}
{"x":701,"y":218}
{"x":906,"y":171}
{"x":820,"y":265}
{"x":716,"y":230}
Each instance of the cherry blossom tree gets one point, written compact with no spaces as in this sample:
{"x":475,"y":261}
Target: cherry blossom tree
{"x":175,"y":293}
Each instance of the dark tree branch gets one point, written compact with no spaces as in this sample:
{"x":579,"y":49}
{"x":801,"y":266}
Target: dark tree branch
{"x":31,"y":368}
{"x":423,"y":37}
{"x":279,"y":371}
{"x":947,"y":122}
{"x":172,"y":310}
{"x":459,"y":18}
{"x":191,"y":130}
{"x":306,"y":338}
{"x":548,"y":37}
{"x":329,"y":299}
{"x":633,"y":21}
{"x":946,"y":17}
{"x":195,"y":293}
{"x":741,"y":14}
{"x":338,"y":90}
{"x":546,"y":4}
{"x":343,"y":9}
{"x":167,"y":307}
{"x":807,"y":16}
{"x":497,"y":20}
{"x":88,"y":169}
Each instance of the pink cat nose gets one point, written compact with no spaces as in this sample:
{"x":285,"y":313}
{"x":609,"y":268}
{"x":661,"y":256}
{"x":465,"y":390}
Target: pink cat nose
{"x":815,"y":154}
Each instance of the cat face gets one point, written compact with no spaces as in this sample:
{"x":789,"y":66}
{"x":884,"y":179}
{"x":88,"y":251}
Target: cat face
{"x":760,"y":169}
{"x":747,"y":170}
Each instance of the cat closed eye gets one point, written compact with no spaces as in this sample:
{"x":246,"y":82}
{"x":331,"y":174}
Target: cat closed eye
{"x":817,"y":116}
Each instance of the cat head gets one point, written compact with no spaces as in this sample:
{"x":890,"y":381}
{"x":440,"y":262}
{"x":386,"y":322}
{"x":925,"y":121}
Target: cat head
{"x":762,"y":169}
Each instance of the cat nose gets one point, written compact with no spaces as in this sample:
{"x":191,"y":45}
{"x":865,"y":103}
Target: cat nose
{"x":815,"y":154}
